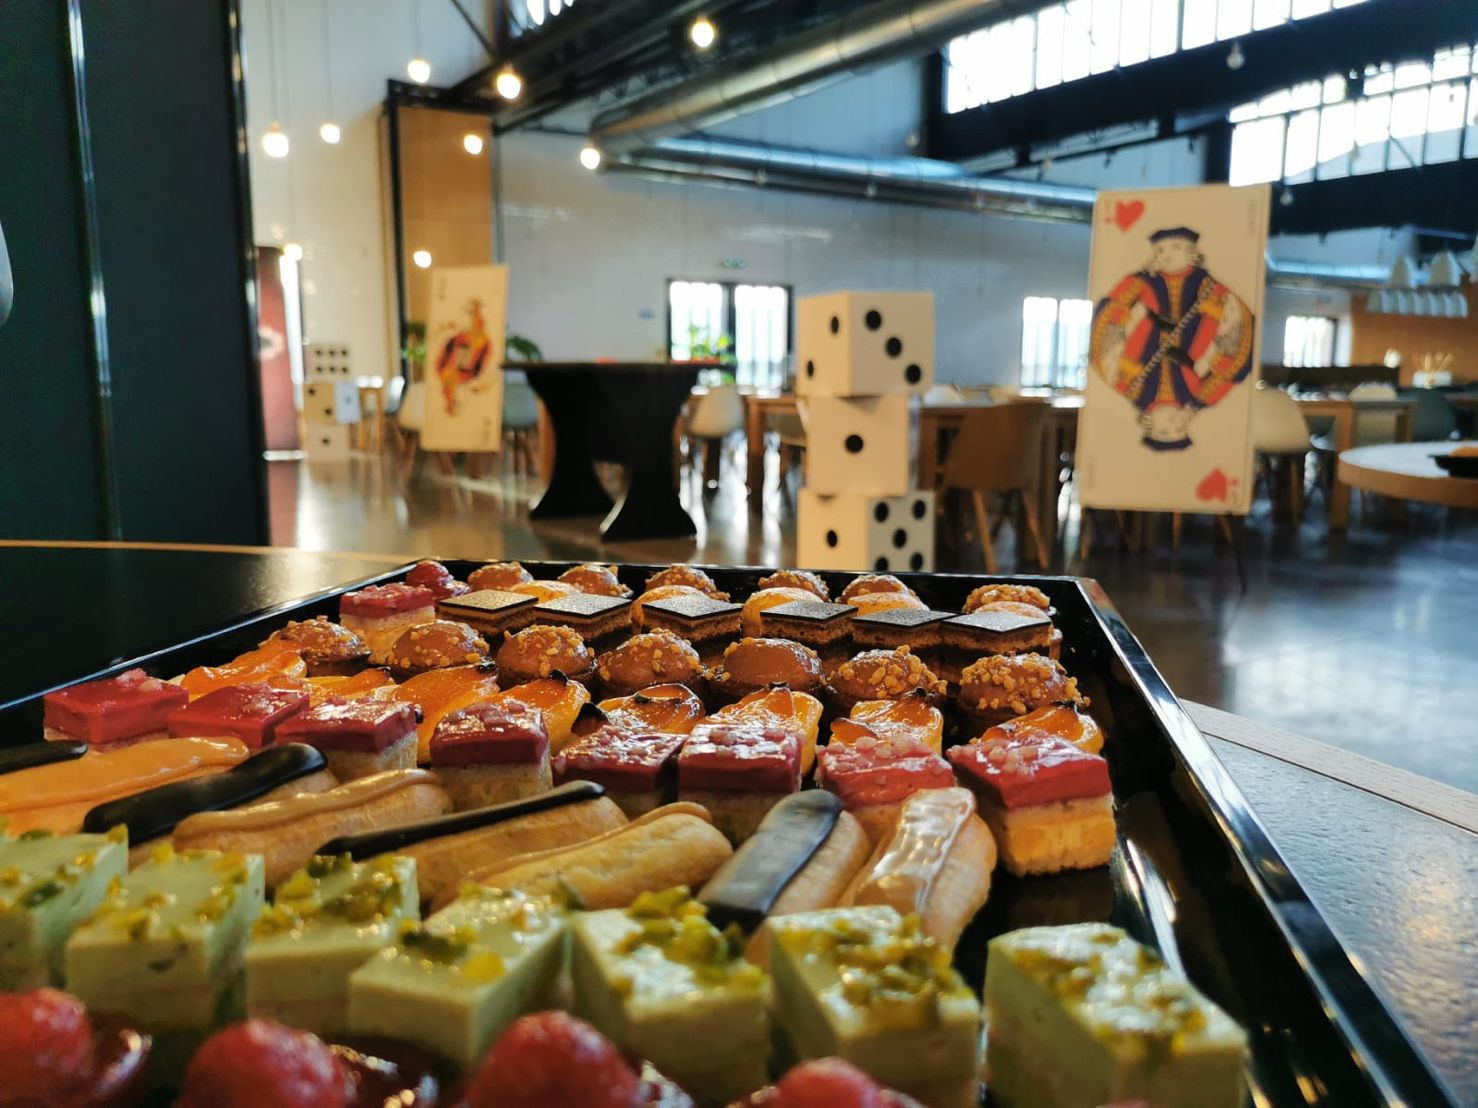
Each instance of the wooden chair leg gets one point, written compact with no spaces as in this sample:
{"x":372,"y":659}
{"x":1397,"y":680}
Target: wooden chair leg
{"x":409,"y":444}
{"x":1224,"y":525}
{"x":1029,"y":510}
{"x":445,"y":464}
{"x":982,"y":524}
{"x":1085,"y":533}
{"x":1176,"y":519}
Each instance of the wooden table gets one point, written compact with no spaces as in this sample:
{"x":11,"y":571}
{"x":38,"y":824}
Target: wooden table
{"x":1345,"y":412}
{"x":1390,"y":858}
{"x":1406,"y":471}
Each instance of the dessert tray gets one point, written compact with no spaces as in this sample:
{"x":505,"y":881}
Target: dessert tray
{"x":1191,"y":874}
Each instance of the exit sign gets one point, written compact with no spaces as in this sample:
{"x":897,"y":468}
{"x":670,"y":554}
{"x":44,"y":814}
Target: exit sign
{"x":733,"y":263}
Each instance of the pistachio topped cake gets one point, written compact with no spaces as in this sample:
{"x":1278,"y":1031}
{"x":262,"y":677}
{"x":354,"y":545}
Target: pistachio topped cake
{"x":48,"y":884}
{"x":453,"y":983}
{"x":867,"y":985}
{"x":665,"y":984}
{"x":164,"y":947}
{"x":1083,"y":1014}
{"x":325,"y":921}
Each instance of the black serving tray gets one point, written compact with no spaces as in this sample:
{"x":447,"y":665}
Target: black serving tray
{"x":1194,"y":874}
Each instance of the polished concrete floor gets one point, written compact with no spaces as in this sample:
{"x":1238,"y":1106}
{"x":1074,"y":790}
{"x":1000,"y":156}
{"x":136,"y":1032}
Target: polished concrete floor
{"x":1367,"y":640}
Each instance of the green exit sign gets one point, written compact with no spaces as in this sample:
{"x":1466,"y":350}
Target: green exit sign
{"x":733,"y":263}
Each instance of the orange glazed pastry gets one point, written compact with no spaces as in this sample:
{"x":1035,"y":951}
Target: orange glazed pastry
{"x":881,"y":675}
{"x":540,"y":650}
{"x":595,"y":578}
{"x":1063,"y":721}
{"x":557,"y":699}
{"x":56,"y":797}
{"x":1001,"y":686}
{"x":274,"y":658}
{"x":796,"y":579}
{"x":657,"y":657}
{"x":544,"y":590}
{"x":873,"y":582}
{"x":362,"y":683}
{"x":759,"y":602}
{"x":911,"y":717}
{"x":329,"y":649}
{"x":1012,"y":594}
{"x":867,"y":603}
{"x":667,"y":709}
{"x":795,"y":713}
{"x":691,"y":576}
{"x":498,"y":575}
{"x":440,"y":692}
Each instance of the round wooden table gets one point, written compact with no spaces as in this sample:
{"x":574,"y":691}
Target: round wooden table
{"x":1406,"y":471}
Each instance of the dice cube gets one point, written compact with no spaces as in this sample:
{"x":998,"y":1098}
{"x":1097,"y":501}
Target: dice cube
{"x":864,"y":444}
{"x":330,"y":402}
{"x":865,"y":344}
{"x":327,"y":442}
{"x":853,"y":531}
{"x":327,"y":361}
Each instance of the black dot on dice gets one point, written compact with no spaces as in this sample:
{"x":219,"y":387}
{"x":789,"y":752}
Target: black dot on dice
{"x":881,"y":565}
{"x":920,"y":509}
{"x":873,"y":319}
{"x":880,"y":513}
{"x":831,"y":538}
{"x":810,"y":369}
{"x":916,"y":562}
{"x":836,"y":324}
{"x":900,"y":538}
{"x":894,"y":346}
{"x":853,"y":444}
{"x":913,"y":375}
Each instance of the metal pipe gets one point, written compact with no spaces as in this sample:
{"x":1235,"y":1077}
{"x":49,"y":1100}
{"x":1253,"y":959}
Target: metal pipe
{"x":1287,"y":273}
{"x":879,"y":33}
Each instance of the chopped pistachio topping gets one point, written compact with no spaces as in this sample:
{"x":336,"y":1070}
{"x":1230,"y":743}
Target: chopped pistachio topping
{"x":677,"y":925}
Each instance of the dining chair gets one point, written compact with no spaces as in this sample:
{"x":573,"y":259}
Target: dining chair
{"x":995,"y":455}
{"x":1280,"y":436}
{"x":791,"y":432}
{"x":520,"y":422}
{"x":1375,"y":427}
{"x":718,"y":414}
{"x":1433,"y":416}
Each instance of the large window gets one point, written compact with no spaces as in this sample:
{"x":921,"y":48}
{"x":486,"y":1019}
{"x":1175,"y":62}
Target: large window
{"x":1065,"y":42}
{"x":1308,"y":340}
{"x":529,"y":15}
{"x":1054,"y":341}
{"x":746,"y":324}
{"x":1414,"y":113}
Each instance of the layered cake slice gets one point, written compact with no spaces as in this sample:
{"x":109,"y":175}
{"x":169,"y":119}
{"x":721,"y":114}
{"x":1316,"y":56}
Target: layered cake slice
{"x":454,"y":982}
{"x":875,"y":774}
{"x":1023,"y":629}
{"x":637,"y":769}
{"x":663,"y":983}
{"x":251,"y":713}
{"x":325,"y":921}
{"x":1048,"y":803}
{"x":358,"y":737}
{"x":490,"y":612}
{"x":709,"y":624}
{"x":825,"y":627}
{"x":380,"y":614}
{"x":113,"y":711}
{"x":600,"y":620}
{"x":738,"y":771}
{"x":165,"y":946}
{"x":48,"y":885}
{"x":1083,"y":1014}
{"x":866,"y":985}
{"x":491,"y":752}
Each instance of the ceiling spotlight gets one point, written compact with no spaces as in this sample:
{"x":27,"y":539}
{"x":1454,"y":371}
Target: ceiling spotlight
{"x":702,"y":33}
{"x":274,"y":142}
{"x":589,"y":157}
{"x":1235,"y":58}
{"x":472,"y":143}
{"x":330,"y":133}
{"x":418,"y":70}
{"x":508,"y":83}
{"x":293,"y":252}
{"x":422,"y":258}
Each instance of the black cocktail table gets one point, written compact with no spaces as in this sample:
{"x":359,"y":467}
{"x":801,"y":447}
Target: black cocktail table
{"x":619,"y":412}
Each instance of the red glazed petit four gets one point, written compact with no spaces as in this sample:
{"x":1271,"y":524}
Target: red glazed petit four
{"x":114,"y":710}
{"x":738,"y":771}
{"x":872,"y":771}
{"x":636,"y":768}
{"x":491,"y":752}
{"x":358,"y":737}
{"x":250,"y":713}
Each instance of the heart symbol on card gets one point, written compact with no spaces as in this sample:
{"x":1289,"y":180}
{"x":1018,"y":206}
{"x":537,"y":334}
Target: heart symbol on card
{"x":1215,"y":486}
{"x":1127,"y":215}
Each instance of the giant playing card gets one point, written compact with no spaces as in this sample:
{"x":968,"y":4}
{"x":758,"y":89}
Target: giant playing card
{"x":1176,"y":278}
{"x":465,"y":331}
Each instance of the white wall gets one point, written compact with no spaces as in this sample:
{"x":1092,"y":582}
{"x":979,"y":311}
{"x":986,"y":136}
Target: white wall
{"x":327,"y":198}
{"x":590,"y":256}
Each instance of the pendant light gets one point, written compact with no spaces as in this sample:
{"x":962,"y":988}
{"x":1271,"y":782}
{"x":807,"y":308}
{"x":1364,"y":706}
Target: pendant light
{"x":275,"y":143}
{"x":418,"y":69}
{"x":328,"y":130}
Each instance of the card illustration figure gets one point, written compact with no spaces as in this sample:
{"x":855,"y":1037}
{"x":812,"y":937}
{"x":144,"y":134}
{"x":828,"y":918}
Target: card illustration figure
{"x":466,"y":325}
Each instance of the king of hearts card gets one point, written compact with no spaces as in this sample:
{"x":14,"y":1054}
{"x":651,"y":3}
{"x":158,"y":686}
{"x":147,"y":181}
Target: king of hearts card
{"x":1176,"y":278}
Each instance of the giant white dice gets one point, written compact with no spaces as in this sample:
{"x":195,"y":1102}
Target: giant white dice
{"x":853,"y":531}
{"x":862,"y":444}
{"x":327,"y":361}
{"x":330,"y":402}
{"x":864,"y":344}
{"x":326,"y":442}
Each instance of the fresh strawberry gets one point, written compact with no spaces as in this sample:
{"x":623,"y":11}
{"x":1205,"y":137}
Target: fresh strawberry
{"x":45,"y":1048}
{"x":260,"y":1062}
{"x":553,"y":1060}
{"x":828,"y":1083}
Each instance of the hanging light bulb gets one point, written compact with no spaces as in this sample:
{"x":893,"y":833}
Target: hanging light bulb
{"x":871,"y":191}
{"x":275,"y":142}
{"x":329,"y":132}
{"x":1235,"y":58}
{"x":418,"y":70}
{"x":472,"y":143}
{"x":702,"y":33}
{"x":508,"y":84}
{"x":293,"y":251}
{"x":422,"y":258}
{"x":589,"y":157}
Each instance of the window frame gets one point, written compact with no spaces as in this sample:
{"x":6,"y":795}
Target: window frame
{"x":731,"y":315}
{"x":1333,"y":322}
{"x":1057,"y":370}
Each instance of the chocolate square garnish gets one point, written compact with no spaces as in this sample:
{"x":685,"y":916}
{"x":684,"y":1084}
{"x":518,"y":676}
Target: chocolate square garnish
{"x":907,"y":618}
{"x":692,"y":607}
{"x":583,"y":604}
{"x":487,"y":600}
{"x":809,"y":611}
{"x":998,"y":622}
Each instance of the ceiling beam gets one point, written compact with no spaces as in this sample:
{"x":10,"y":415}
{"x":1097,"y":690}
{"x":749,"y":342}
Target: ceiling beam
{"x":1428,"y":196}
{"x":1177,"y":92}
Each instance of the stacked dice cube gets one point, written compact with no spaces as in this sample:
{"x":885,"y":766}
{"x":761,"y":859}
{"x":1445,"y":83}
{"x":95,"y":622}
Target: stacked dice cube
{"x":861,"y":359}
{"x":330,"y":402}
